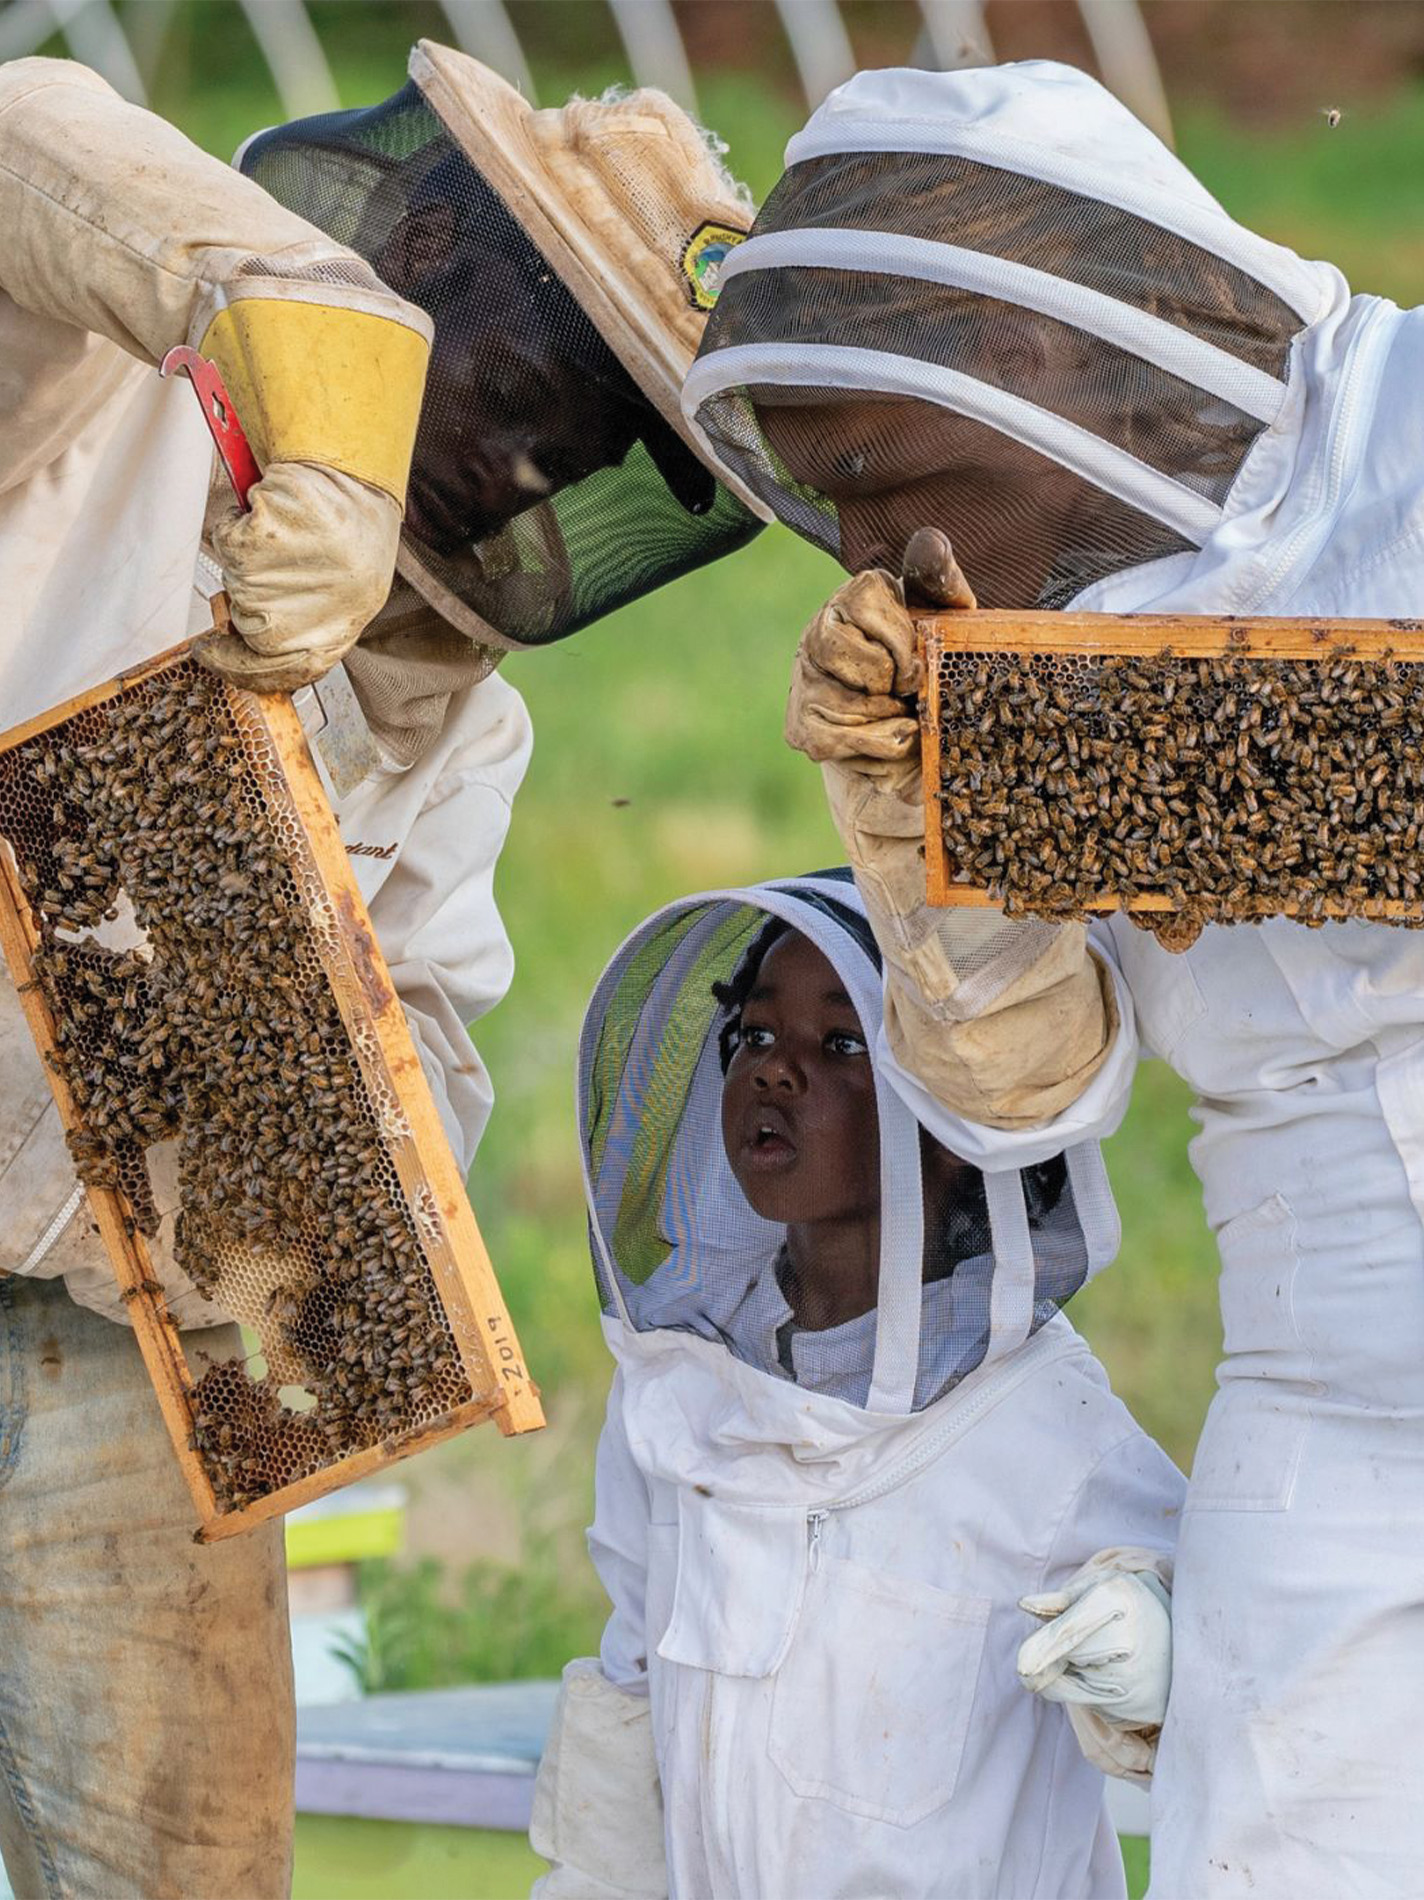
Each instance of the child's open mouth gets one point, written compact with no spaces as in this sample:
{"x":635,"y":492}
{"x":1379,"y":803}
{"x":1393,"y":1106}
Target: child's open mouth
{"x":768,"y":1142}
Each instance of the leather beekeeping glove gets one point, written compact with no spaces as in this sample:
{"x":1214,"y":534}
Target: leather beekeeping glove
{"x":305,"y":572}
{"x":1005,"y":1021}
{"x":598,"y":1807}
{"x":1108,"y":1648}
{"x":119,"y":226}
{"x":855,"y":682}
{"x":329,"y":398}
{"x":1105,"y":1652}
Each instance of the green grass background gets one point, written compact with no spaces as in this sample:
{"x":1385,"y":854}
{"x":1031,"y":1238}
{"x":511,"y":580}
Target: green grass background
{"x":659,"y":769}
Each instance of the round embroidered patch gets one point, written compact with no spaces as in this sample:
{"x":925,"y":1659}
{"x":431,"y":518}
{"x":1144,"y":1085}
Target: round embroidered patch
{"x":703,"y":257}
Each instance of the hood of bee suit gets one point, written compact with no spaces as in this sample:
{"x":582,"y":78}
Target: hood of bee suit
{"x":753,"y":1415}
{"x":568,"y":259}
{"x":998,"y":290}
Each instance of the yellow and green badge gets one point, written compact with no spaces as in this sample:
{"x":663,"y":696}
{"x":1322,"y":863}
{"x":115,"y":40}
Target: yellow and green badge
{"x":703,"y":258}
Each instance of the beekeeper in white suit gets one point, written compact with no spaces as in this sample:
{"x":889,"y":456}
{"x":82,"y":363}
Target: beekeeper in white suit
{"x":992,"y":302}
{"x":849,"y":1431}
{"x":145,"y":1690}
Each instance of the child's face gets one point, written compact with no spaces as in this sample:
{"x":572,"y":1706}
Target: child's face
{"x":799,"y":1122}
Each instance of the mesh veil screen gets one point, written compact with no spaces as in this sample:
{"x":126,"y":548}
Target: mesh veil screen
{"x":545,"y":489}
{"x":1024,"y":528}
{"x":734,"y":1147}
{"x":1165,"y":422}
{"x":858,"y":471}
{"x":960,"y":201}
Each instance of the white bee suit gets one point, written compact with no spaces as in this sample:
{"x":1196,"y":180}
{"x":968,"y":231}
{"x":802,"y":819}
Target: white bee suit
{"x":820,"y":1593}
{"x":1292,"y":1754}
{"x":104,"y":472}
{"x":1291,"y":1760}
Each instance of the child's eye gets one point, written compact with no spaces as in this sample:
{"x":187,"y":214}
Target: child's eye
{"x":842,"y":1043}
{"x":749,"y":1036}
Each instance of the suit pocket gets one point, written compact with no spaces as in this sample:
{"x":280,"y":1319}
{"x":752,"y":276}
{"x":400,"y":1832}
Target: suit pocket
{"x":1259,"y":1259}
{"x":872,"y":1705}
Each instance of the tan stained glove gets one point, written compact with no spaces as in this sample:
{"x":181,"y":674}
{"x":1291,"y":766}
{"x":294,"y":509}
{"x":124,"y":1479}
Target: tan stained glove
{"x":1005,"y":1021}
{"x":305,"y":572}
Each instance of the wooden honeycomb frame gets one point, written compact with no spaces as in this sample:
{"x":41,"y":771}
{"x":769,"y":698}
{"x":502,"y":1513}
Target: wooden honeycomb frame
{"x":1086,"y":635}
{"x":390,"y":1070}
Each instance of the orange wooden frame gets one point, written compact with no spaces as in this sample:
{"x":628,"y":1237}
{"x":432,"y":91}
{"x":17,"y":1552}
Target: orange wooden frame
{"x":1190,"y":636}
{"x":381,"y":1044}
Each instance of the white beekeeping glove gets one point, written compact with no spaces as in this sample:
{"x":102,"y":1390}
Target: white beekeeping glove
{"x":598,"y":1805}
{"x":1106,"y":1646}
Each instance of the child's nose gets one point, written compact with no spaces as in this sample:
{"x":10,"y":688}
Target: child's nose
{"x":776,"y":1070}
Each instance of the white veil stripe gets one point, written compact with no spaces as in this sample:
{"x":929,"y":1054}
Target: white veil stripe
{"x":834,"y":366}
{"x":1153,"y":339}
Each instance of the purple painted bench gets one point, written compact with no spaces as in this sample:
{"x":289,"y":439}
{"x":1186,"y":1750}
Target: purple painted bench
{"x":462,"y":1757}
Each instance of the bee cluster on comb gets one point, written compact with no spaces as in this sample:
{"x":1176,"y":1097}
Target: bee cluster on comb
{"x":208,"y":987}
{"x":1248,"y":778}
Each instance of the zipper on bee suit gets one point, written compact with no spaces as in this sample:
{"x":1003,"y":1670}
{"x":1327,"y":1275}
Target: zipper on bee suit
{"x":815,"y":1524}
{"x":930,"y":1447}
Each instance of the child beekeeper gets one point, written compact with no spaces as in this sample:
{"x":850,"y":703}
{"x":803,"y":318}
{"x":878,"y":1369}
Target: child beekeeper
{"x":551,"y":272}
{"x":993,"y":303}
{"x":849,"y":1431}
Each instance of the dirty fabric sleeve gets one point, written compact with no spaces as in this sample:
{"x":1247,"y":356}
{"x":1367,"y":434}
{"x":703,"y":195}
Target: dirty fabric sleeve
{"x":618,"y":1545}
{"x":89,"y":188}
{"x":435,"y":911}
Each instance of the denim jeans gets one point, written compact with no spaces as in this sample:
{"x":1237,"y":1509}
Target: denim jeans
{"x":146,"y":1721}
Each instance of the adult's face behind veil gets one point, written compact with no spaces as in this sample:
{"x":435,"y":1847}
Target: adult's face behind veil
{"x":891,"y":465}
{"x":511,"y":415}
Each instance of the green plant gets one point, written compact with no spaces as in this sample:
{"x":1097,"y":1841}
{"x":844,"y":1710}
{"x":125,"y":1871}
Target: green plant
{"x":490,"y":1622}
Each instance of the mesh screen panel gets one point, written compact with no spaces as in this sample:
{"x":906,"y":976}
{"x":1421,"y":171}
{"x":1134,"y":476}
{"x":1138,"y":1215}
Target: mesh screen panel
{"x":545,"y":489}
{"x":224,"y":1031}
{"x":734,"y":1127}
{"x":1167,"y":423}
{"x":960,"y":201}
{"x":1027,"y":531}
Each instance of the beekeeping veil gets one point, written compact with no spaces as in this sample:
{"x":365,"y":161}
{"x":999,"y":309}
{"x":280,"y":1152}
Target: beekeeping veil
{"x":970,"y":1265}
{"x":568,"y":259}
{"x":998,"y":291}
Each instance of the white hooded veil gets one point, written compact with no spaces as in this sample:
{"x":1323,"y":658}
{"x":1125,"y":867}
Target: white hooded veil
{"x":1222,"y":426}
{"x":678,"y":1247}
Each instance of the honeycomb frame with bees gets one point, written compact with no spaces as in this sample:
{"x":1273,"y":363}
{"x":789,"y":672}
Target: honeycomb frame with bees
{"x":203,"y":983}
{"x":1185,"y":769}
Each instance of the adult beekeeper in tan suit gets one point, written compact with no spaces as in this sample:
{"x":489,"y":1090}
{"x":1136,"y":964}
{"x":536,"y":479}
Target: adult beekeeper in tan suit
{"x":560,"y":264}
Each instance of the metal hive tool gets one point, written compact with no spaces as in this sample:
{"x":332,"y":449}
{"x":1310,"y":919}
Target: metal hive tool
{"x":1184,"y":769}
{"x":241,"y":1092}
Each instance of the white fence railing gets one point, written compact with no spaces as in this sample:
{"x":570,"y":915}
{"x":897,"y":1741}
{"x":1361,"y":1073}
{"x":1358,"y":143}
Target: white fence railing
{"x":125,"y":42}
